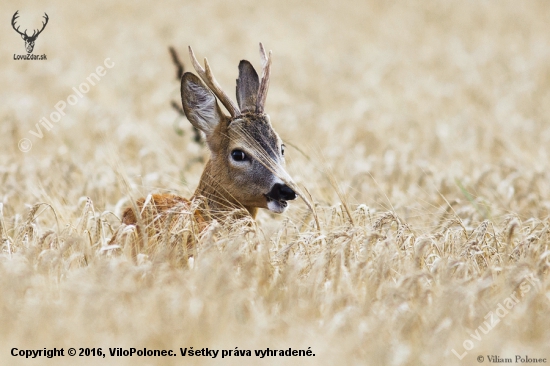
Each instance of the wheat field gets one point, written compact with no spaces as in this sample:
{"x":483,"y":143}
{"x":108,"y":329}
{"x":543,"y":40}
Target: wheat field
{"x":419,"y":128}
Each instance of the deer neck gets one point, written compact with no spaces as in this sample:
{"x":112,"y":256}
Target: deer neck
{"x":218,"y":202}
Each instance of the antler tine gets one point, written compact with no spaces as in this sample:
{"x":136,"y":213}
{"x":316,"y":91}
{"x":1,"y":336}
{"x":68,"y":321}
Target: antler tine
{"x":264,"y":83}
{"x":263,"y":56}
{"x":210,"y":81}
{"x":14,"y":18}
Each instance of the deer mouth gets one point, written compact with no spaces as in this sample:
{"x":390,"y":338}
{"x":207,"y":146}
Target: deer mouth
{"x":280,"y":201}
{"x":278,"y":196}
{"x":276,"y":205}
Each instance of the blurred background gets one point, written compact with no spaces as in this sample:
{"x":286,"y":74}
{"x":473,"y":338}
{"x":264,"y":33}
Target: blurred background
{"x":396,"y":91}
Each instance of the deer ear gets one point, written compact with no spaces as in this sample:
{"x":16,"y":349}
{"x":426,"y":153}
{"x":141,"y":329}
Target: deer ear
{"x":199,"y":104}
{"x":23,"y":36}
{"x":247,"y":87}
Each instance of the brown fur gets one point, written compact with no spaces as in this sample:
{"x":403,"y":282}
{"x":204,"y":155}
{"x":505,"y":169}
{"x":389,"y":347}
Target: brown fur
{"x":160,"y":204}
{"x":162,"y":213}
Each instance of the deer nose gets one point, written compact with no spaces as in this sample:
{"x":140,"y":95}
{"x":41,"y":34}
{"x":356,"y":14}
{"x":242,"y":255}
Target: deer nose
{"x":282,"y":192}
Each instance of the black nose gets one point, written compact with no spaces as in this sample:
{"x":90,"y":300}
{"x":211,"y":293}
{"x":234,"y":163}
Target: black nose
{"x":282,"y":192}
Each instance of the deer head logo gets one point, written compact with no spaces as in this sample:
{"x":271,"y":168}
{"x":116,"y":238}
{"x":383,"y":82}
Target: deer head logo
{"x":29,"y":40}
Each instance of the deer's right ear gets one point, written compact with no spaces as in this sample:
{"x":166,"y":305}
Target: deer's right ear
{"x":199,"y":104}
{"x":247,"y":87}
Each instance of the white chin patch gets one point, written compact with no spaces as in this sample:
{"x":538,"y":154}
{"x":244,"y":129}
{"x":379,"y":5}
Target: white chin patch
{"x":276,"y":206}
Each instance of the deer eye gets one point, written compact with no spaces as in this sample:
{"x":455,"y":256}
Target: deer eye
{"x":238,"y":155}
{"x":283,"y":150}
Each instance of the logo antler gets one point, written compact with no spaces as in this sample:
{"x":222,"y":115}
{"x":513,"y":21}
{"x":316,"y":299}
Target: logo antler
{"x":15,"y":16}
{"x":43,"y":26}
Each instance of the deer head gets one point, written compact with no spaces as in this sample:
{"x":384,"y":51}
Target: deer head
{"x":247,"y":161}
{"x":29,"y":40}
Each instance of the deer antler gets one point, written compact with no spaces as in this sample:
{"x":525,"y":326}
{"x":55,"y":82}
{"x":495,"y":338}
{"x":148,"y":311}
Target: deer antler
{"x":264,"y":83}
{"x":15,"y":16}
{"x":43,"y":25}
{"x":210,"y":81}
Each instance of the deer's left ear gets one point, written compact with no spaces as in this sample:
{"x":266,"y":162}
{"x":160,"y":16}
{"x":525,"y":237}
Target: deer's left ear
{"x":199,"y":104}
{"x":23,"y":36}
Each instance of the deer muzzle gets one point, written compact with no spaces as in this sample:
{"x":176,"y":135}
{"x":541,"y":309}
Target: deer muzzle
{"x":281,"y":192}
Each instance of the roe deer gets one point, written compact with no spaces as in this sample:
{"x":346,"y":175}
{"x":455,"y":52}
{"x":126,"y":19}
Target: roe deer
{"x":246,"y":167}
